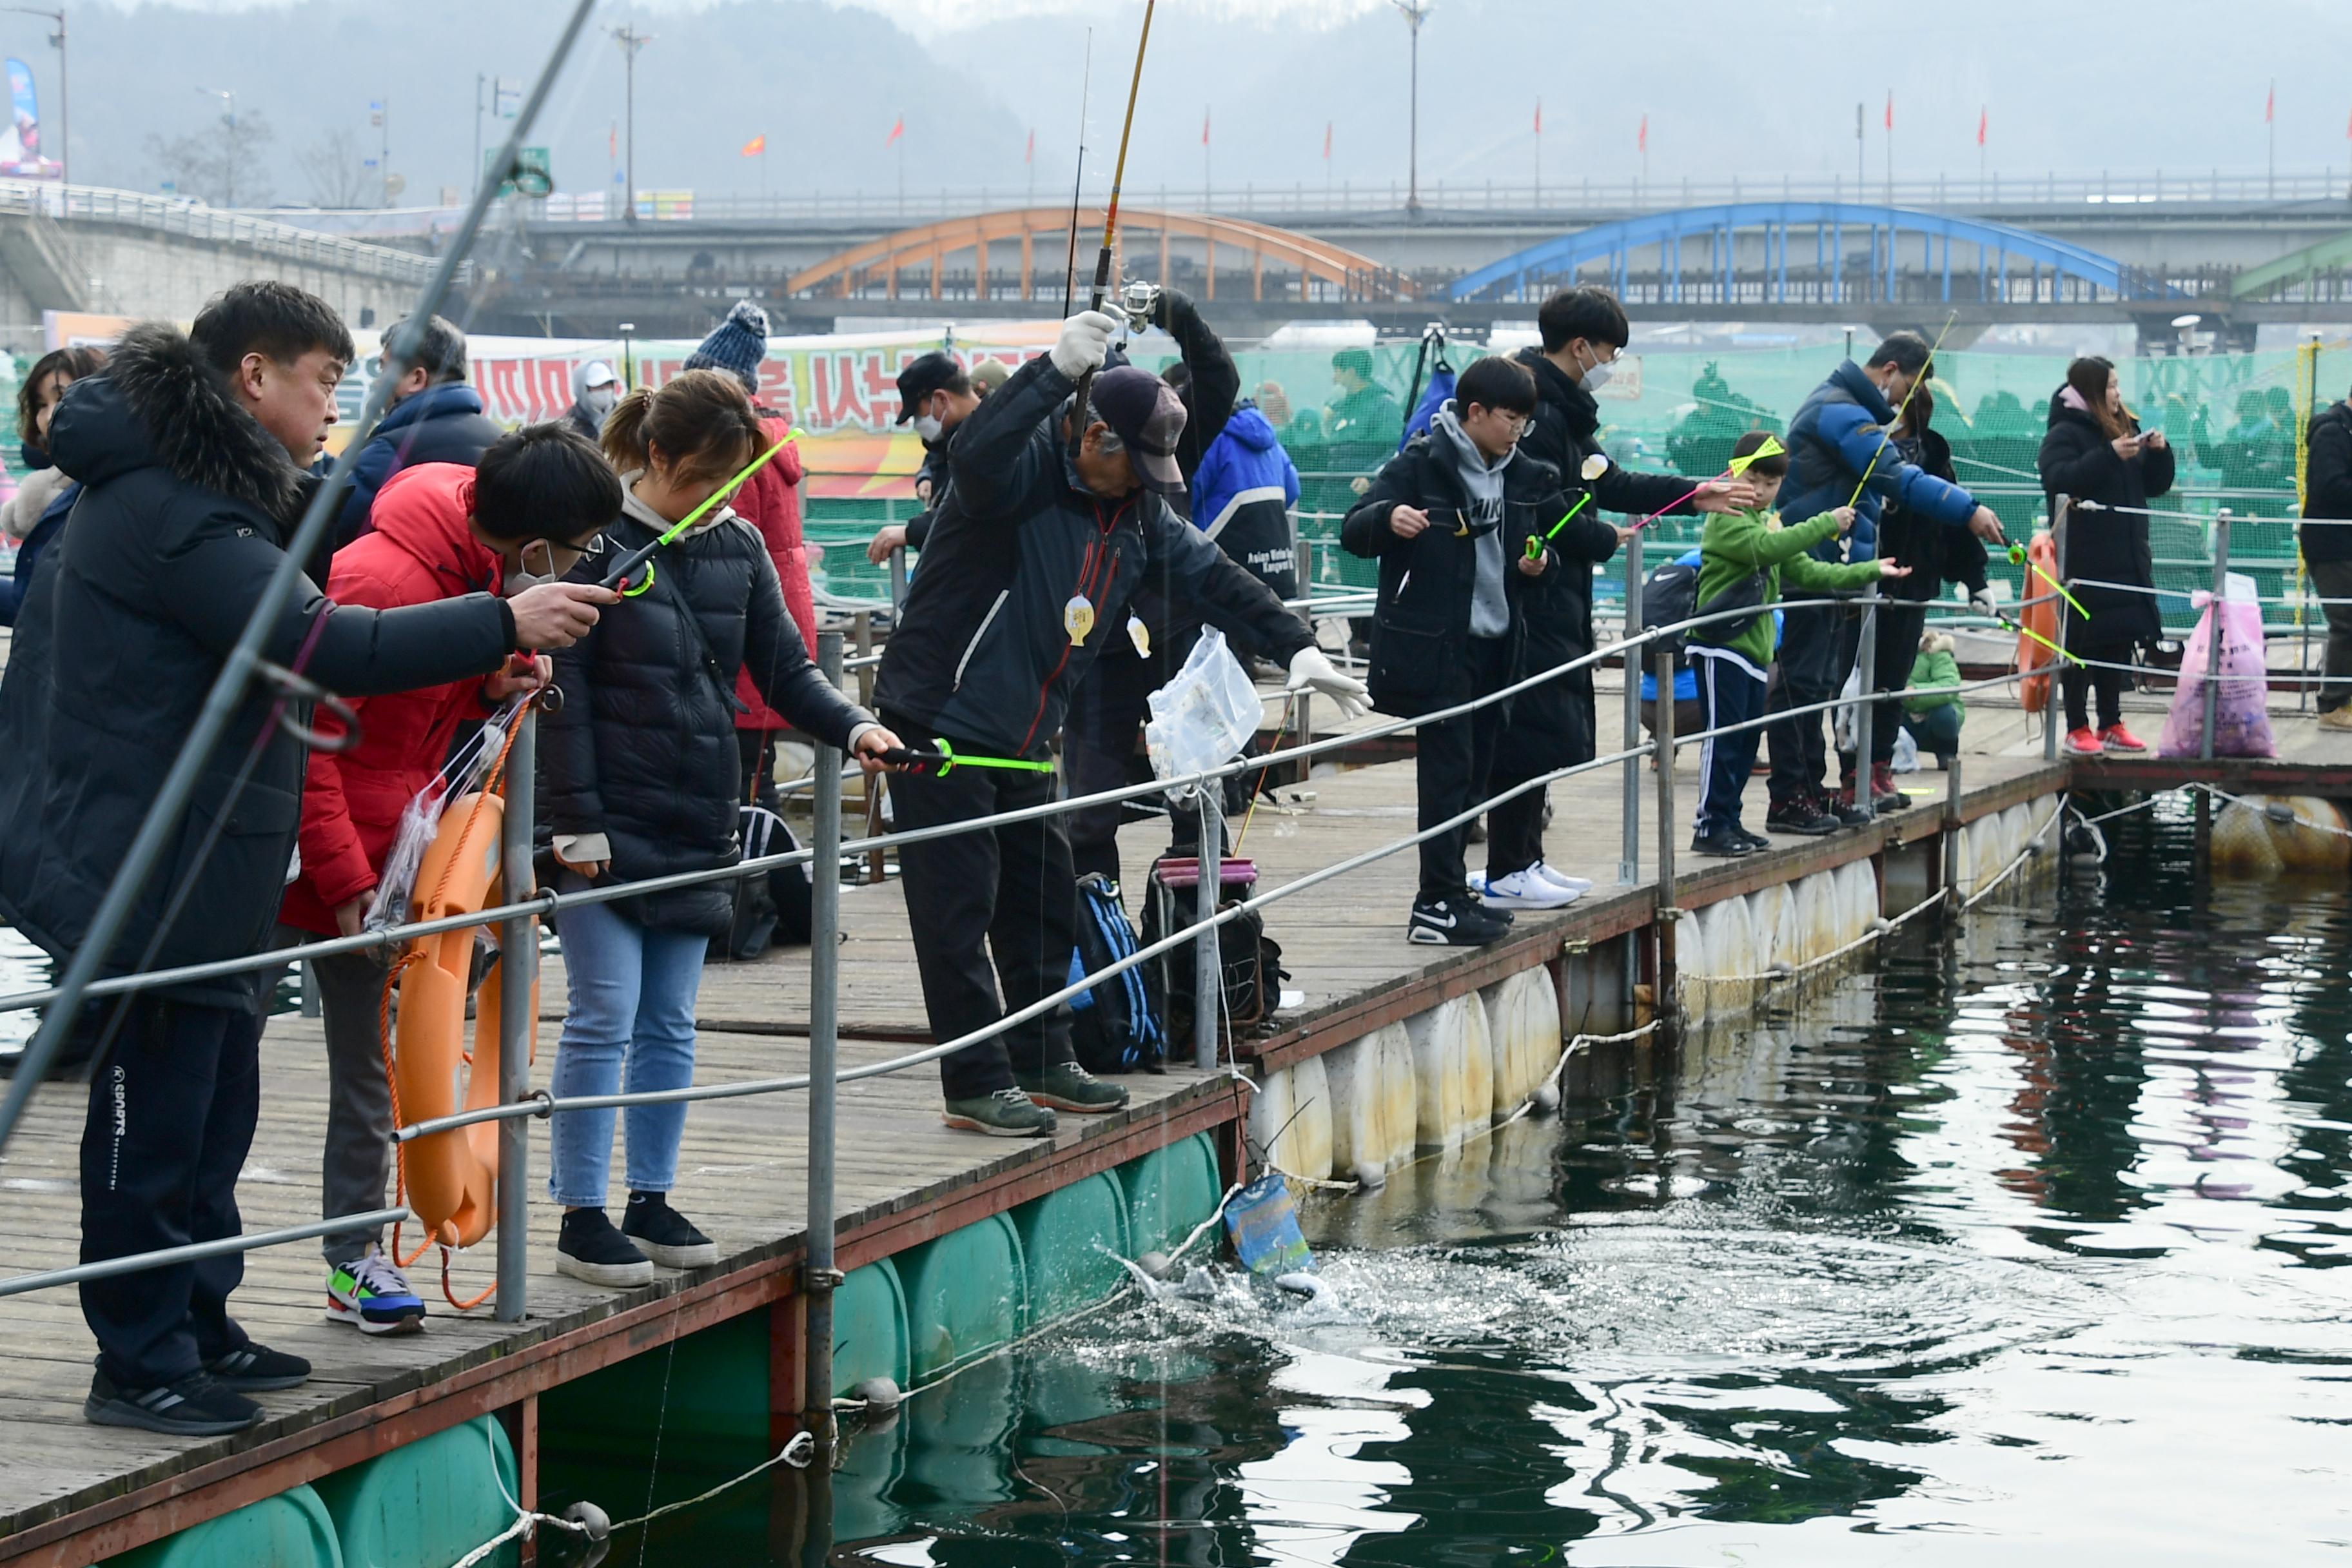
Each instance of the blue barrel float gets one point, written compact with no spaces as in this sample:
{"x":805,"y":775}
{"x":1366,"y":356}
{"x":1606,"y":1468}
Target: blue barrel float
{"x":291,"y":1529}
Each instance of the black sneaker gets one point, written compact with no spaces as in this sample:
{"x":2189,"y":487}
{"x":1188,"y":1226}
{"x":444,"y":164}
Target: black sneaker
{"x":590,"y":1249}
{"x":1754,"y":840}
{"x":1802,"y":816}
{"x":665,"y":1236}
{"x":1721,"y":843}
{"x":258,"y":1368}
{"x":193,"y":1406}
{"x":1457,"y":921}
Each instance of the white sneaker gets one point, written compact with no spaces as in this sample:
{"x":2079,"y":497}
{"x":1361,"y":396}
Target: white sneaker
{"x":1524,"y":890}
{"x":1577,"y":885}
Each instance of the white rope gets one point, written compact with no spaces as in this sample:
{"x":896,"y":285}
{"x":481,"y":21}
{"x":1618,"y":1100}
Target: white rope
{"x":1879,"y":930}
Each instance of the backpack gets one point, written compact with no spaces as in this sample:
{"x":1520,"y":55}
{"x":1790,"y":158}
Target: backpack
{"x":1251,"y":961}
{"x":770,"y":910}
{"x":1669,"y":594}
{"x":1115,"y":1023}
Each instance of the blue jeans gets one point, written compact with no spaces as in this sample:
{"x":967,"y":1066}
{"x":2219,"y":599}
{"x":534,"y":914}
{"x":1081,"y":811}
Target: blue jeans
{"x":631,"y":993}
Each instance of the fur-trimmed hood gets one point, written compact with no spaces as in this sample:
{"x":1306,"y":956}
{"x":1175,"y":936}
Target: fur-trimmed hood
{"x":159,"y":405}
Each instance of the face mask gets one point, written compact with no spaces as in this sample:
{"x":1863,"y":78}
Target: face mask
{"x":930,"y":429}
{"x":1598,"y":376}
{"x":598,"y":400}
{"x":516,"y":580}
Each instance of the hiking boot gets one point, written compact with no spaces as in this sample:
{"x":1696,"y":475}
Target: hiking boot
{"x":1066,"y":1085}
{"x":1456,"y":922}
{"x":1524,"y":890}
{"x":1721,"y":843}
{"x":1007,"y":1113}
{"x":192,"y":1406}
{"x":665,"y":1236}
{"x":590,"y":1249}
{"x":2116,"y":737}
{"x":1841,"y":805}
{"x":2337,"y":718}
{"x":1577,"y":885}
{"x":1884,"y":793}
{"x":1802,"y":816}
{"x":373,"y":1296}
{"x":2084,"y":743}
{"x":258,"y":1368}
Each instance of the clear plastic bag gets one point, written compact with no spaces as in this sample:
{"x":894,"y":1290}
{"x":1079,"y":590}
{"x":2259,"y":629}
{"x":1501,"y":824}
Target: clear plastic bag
{"x":420,"y":819}
{"x":2241,"y":724}
{"x":1206,"y":715}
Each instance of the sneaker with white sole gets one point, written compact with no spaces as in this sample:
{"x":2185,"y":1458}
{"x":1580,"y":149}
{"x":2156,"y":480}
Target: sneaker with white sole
{"x":664,"y":1235}
{"x":1454,"y":922}
{"x":1577,"y":885}
{"x":372,"y":1295}
{"x":589,"y":1247}
{"x":1004,"y":1113}
{"x":1526,"y":890}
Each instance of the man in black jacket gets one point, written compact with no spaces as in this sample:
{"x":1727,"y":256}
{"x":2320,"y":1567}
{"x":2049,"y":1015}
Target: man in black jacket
{"x":935,"y":395}
{"x":1554,"y":726}
{"x":2328,"y":553}
{"x":1033,"y":568}
{"x":434,"y":418}
{"x":1450,"y":520}
{"x":192,"y":451}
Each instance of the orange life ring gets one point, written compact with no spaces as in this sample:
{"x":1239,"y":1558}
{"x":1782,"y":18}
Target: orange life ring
{"x":452,"y":1177}
{"x":2042,"y":619}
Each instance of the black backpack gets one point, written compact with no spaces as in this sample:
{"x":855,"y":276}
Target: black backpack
{"x":1115,"y":1023}
{"x":1250,"y":960}
{"x":771,"y":910}
{"x":1668,"y":597}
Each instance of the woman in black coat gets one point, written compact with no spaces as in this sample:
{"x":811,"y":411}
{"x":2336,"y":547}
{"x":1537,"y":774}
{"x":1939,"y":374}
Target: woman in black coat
{"x":2094,"y":451}
{"x":638,"y":777}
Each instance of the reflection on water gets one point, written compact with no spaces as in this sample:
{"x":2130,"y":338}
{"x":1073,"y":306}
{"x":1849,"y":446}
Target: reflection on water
{"x":2027,"y":1244}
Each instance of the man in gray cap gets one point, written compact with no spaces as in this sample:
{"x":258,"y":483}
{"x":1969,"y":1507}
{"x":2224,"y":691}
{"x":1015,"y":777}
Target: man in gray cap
{"x":1056,"y":518}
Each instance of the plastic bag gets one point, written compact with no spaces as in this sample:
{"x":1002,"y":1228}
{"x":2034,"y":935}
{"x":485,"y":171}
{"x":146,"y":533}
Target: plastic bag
{"x":1906,"y":753}
{"x":2242,"y":724}
{"x":420,"y":820}
{"x":1842,"y":719}
{"x":1205,"y":716}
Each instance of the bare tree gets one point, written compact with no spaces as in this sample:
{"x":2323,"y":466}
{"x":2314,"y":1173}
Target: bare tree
{"x":222,"y":163}
{"x":337,"y":174}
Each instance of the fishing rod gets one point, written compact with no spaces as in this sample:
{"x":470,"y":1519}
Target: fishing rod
{"x":1739,"y":465}
{"x":1916,"y":383}
{"x":2018,"y":557}
{"x":1110,"y":213}
{"x":944,"y":759}
{"x":618,"y":577}
{"x":1085,"y":91}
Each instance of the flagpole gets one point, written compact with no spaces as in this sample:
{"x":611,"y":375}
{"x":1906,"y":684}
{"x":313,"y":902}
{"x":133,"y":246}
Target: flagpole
{"x":2270,"y":124}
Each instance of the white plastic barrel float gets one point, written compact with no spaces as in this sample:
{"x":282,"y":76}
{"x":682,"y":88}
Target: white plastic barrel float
{"x":1692,"y":963}
{"x":1990,"y":860}
{"x":1964,"y":862}
{"x":1452,"y":1074}
{"x":1374,"y":1122}
{"x":1523,"y":1036}
{"x":1730,"y":956}
{"x":1816,"y":915}
{"x":2267,"y":835}
{"x":1307,"y":1147}
{"x":1773,"y":912}
{"x":1269,"y":1114}
{"x":1859,"y":883}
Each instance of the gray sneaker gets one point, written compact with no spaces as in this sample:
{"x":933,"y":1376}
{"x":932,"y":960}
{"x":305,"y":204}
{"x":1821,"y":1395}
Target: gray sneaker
{"x":1007,"y":1113}
{"x":1066,"y":1085}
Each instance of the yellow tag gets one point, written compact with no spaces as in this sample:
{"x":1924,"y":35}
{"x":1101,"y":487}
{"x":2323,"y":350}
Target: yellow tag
{"x":1140,"y":636}
{"x":1078,"y":619}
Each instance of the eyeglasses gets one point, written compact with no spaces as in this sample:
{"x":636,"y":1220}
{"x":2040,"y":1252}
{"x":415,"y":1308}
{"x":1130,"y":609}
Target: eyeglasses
{"x":557,"y":560}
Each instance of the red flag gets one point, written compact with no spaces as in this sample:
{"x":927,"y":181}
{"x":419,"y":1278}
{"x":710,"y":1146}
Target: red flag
{"x":1031,"y":156}
{"x":2270,"y":105}
{"x":1641,"y":137}
{"x":1890,"y":109}
{"x":1982,"y":117}
{"x":1204,"y":127}
{"x":1539,"y":116}
{"x":757,"y":146}
{"x":896,"y":131}
{"x":1326,"y":141}
{"x":613,"y":143}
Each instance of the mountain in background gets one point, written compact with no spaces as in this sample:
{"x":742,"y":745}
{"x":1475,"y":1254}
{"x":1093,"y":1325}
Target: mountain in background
{"x":1726,"y":89}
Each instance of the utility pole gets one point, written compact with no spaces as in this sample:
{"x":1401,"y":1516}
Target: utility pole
{"x":58,"y":42}
{"x":1859,"y":177}
{"x":228,"y":162}
{"x":480,"y":81}
{"x":1415,"y":13}
{"x":631,"y":41}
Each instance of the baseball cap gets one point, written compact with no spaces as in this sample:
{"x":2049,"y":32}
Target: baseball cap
{"x":1146,"y":415}
{"x":921,"y":376}
{"x":596,"y":373}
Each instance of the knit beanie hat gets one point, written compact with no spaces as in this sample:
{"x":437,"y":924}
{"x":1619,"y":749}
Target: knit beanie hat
{"x":737,"y":344}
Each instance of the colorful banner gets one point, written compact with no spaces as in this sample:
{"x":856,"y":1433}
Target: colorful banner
{"x":20,"y":141}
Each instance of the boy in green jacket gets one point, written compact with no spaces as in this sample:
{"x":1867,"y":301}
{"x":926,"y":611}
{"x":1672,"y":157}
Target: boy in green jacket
{"x":1935,"y":719}
{"x":1743,"y":557}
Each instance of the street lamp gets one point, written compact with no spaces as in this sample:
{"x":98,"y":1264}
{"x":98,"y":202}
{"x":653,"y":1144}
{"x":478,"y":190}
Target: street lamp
{"x":58,"y":42}
{"x":228,"y":157}
{"x":631,"y":41}
{"x":1415,"y":12}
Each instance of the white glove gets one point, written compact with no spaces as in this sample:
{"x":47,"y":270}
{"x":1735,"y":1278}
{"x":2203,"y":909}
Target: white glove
{"x":1309,"y":669}
{"x":1085,"y":344}
{"x":1982,"y":602}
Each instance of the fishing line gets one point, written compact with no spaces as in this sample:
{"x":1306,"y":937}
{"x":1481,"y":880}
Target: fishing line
{"x":617,"y":578}
{"x":1078,"y":181}
{"x":1916,"y":383}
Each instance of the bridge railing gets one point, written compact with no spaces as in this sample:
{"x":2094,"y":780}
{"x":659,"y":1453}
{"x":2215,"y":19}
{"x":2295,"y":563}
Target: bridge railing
{"x":167,"y":215}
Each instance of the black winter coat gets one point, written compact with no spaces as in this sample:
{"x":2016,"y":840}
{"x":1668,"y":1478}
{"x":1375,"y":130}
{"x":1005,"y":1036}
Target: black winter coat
{"x":1422,"y":624}
{"x":187,"y":501}
{"x":442,"y":423}
{"x":2327,"y":485}
{"x":642,"y":750}
{"x":2078,"y":461}
{"x":980,"y":653}
{"x":1938,"y":553}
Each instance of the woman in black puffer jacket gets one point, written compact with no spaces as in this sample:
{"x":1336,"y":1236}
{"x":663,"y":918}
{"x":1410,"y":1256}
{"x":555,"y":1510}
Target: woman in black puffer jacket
{"x":638,"y":777}
{"x":2094,"y":451}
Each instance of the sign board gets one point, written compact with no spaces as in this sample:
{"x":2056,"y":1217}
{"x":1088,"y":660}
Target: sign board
{"x":531,"y":176}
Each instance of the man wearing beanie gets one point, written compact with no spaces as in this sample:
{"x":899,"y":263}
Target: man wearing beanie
{"x":1057,"y":516}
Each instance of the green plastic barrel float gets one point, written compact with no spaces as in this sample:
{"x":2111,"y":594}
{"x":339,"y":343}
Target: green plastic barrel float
{"x":291,"y":1529}
{"x":427,"y":1503}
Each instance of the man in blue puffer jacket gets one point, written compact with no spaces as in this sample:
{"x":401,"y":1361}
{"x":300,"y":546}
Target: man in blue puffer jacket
{"x":1241,"y":498}
{"x":435,"y":417}
{"x":1839,"y":436}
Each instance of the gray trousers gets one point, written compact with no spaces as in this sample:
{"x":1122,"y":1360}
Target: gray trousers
{"x":2333,"y":580}
{"x":355,"y":1166}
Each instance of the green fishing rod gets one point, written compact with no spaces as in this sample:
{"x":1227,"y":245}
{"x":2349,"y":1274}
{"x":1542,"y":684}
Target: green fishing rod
{"x":1594,"y":466}
{"x":944,"y":759}
{"x":2017,"y":557}
{"x":618,"y":577}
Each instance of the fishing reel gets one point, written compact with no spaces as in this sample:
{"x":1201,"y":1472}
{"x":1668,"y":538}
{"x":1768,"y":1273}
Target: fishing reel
{"x":1138,"y":302}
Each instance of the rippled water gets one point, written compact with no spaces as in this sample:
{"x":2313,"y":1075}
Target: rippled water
{"x":2027,"y":1247}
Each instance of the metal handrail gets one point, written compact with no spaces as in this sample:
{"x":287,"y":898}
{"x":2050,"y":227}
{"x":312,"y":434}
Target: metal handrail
{"x":194,"y":220}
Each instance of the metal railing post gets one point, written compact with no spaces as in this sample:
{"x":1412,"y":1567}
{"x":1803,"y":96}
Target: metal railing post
{"x":1951,"y":839}
{"x":518,"y":996}
{"x":898,"y":584}
{"x":818,"y":1277}
{"x":1662,"y":996}
{"x":1866,"y":787}
{"x":1208,"y":968}
{"x":2053,"y":699}
{"x":1629,"y":855}
{"x":2213,"y":641}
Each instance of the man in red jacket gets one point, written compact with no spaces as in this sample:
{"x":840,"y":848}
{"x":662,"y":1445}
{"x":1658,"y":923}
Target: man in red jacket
{"x":526,"y":512}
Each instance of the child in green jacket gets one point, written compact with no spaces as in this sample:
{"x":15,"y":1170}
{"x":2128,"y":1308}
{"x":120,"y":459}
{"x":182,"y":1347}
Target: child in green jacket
{"x":1935,"y":719}
{"x":1743,"y":557}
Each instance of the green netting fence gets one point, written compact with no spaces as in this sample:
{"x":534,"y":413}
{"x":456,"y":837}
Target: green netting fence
{"x":2235,"y":423}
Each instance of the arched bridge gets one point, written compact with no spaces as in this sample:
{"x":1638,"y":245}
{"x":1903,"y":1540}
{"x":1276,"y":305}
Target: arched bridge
{"x":1024,"y":254}
{"x":1807,"y":254}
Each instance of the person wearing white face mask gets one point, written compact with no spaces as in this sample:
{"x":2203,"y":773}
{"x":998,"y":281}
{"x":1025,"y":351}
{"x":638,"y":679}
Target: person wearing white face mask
{"x":935,"y":395}
{"x":595,"y":390}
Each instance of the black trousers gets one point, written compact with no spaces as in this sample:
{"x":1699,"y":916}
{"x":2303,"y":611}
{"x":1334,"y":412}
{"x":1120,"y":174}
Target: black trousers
{"x":1817,"y":650}
{"x":2077,"y":683}
{"x":1900,"y":623}
{"x":171,"y":1118}
{"x":1007,"y":893}
{"x":1730,"y":692}
{"x":1453,"y":762}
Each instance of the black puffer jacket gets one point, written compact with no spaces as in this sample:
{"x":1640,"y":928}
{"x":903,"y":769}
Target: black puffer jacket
{"x":2327,"y":485}
{"x":643,"y":751}
{"x":1938,"y":553}
{"x":178,"y":530}
{"x":2078,"y":460}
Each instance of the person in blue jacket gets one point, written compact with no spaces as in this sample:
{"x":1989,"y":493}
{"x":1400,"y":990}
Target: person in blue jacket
{"x":1839,"y":437}
{"x":1241,"y":496}
{"x":435,"y":417}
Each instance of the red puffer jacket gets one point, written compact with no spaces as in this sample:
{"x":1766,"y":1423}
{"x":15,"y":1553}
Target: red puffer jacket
{"x":420,"y":550}
{"x":771,"y":502}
